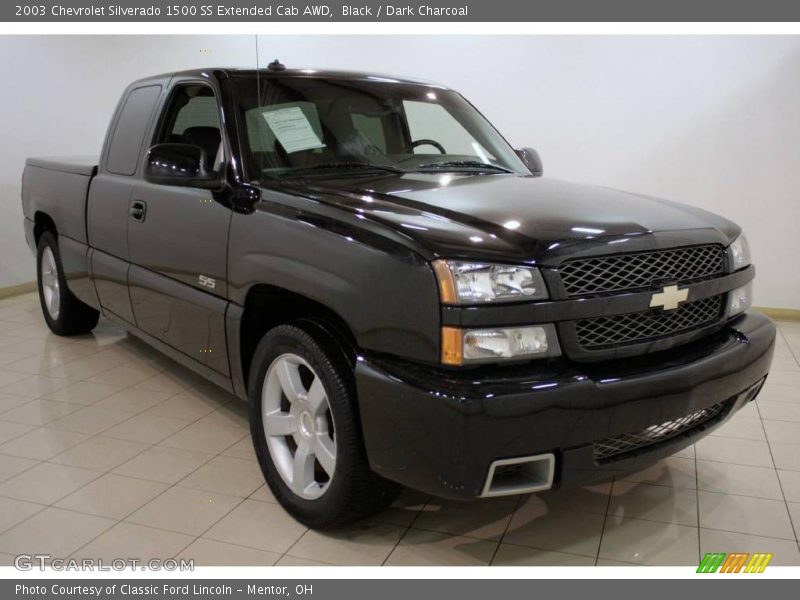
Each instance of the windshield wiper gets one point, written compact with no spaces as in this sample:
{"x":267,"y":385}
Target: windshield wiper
{"x":464,"y":164}
{"x":343,"y":165}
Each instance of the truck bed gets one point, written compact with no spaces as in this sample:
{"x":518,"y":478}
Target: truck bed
{"x":78,"y":165}
{"x":58,"y":187}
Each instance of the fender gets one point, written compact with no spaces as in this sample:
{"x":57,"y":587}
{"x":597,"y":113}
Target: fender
{"x":385,"y":292}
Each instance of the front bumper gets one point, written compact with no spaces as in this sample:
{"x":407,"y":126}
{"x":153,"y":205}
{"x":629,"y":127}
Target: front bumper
{"x":438,"y":431}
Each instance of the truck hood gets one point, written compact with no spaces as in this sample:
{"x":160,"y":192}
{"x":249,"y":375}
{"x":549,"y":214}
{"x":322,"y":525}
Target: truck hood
{"x":533,"y":219}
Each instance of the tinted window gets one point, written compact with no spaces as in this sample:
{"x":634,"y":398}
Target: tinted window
{"x":428,"y":121}
{"x":200,"y":111}
{"x":126,"y":143}
{"x":372,"y":129}
{"x":308,"y":125}
{"x":192,"y":117}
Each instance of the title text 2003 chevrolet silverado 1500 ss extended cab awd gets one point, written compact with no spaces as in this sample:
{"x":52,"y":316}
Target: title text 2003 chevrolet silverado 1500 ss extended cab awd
{"x":400,"y":296}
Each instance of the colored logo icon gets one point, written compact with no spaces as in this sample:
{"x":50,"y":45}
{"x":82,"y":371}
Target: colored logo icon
{"x":736,"y":562}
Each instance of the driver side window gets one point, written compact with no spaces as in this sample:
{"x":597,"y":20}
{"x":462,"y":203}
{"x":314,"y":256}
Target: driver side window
{"x":192,"y":117}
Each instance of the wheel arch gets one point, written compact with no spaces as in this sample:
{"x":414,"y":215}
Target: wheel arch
{"x":267,"y":306}
{"x":42,"y":222}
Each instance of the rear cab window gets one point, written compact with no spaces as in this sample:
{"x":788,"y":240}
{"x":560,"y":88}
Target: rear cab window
{"x":131,"y":126}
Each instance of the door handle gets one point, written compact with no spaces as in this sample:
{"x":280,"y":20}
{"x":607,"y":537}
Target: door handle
{"x":138,"y":210}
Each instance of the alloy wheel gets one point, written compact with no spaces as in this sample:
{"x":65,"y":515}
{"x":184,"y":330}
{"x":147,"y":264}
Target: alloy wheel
{"x":51,"y":289}
{"x":298,"y":425}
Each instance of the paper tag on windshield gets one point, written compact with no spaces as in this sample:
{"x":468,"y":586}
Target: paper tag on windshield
{"x":292,"y":129}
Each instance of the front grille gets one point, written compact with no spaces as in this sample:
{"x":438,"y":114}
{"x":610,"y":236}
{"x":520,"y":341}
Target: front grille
{"x":617,"y":330}
{"x":614,"y":448}
{"x":641,"y":270}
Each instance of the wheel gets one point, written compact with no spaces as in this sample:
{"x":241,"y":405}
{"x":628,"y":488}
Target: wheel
{"x":63,"y":312}
{"x":306,"y":431}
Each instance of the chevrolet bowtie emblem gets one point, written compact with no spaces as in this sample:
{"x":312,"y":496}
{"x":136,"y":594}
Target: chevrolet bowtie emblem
{"x":669,"y":298}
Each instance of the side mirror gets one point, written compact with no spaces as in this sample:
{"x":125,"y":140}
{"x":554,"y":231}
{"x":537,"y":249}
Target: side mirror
{"x":531,"y":159}
{"x":179,"y":165}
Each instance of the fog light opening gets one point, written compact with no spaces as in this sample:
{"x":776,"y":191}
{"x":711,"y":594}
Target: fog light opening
{"x":522,"y":475}
{"x":751,"y":394}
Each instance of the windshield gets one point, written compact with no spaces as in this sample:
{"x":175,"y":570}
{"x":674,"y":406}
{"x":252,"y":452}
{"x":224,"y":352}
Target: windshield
{"x":310,"y":125}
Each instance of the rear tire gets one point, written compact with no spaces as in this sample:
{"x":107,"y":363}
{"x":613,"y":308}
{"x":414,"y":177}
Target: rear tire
{"x":63,"y":312}
{"x":311,"y":451}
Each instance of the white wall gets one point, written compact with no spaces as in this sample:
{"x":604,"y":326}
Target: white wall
{"x":710,"y":121}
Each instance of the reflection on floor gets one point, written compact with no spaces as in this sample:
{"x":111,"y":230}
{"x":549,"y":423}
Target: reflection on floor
{"x":108,"y":449}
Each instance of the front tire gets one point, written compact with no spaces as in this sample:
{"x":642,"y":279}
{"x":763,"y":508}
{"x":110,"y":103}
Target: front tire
{"x":63,"y":312}
{"x":306,"y":432}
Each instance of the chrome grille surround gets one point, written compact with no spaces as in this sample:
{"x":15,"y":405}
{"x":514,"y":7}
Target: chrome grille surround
{"x":616,"y":330}
{"x":640,"y":270}
{"x":615,"y":448}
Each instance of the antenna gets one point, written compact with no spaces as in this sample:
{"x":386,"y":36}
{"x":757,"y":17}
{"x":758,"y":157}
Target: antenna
{"x":258,"y":72}
{"x":258,"y":89}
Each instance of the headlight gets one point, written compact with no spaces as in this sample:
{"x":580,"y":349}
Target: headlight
{"x":466,"y":346}
{"x":740,"y":299}
{"x":476,"y":283}
{"x":740,"y":253}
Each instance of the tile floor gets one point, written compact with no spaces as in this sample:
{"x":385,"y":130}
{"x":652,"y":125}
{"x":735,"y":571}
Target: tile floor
{"x":108,"y":449}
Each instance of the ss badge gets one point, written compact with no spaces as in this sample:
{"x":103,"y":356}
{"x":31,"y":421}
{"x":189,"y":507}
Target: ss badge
{"x":207,"y":282}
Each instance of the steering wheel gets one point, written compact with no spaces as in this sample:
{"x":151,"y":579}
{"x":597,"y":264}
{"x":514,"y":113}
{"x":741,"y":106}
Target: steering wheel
{"x":427,"y":142}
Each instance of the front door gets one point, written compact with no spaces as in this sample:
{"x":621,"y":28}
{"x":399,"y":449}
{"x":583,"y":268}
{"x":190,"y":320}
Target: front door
{"x":178,"y":239}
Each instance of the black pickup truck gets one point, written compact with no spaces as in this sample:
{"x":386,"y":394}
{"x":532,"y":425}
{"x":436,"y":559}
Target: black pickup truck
{"x":399,"y":295}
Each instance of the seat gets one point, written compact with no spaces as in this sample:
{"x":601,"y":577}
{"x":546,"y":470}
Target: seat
{"x":208,"y":138}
